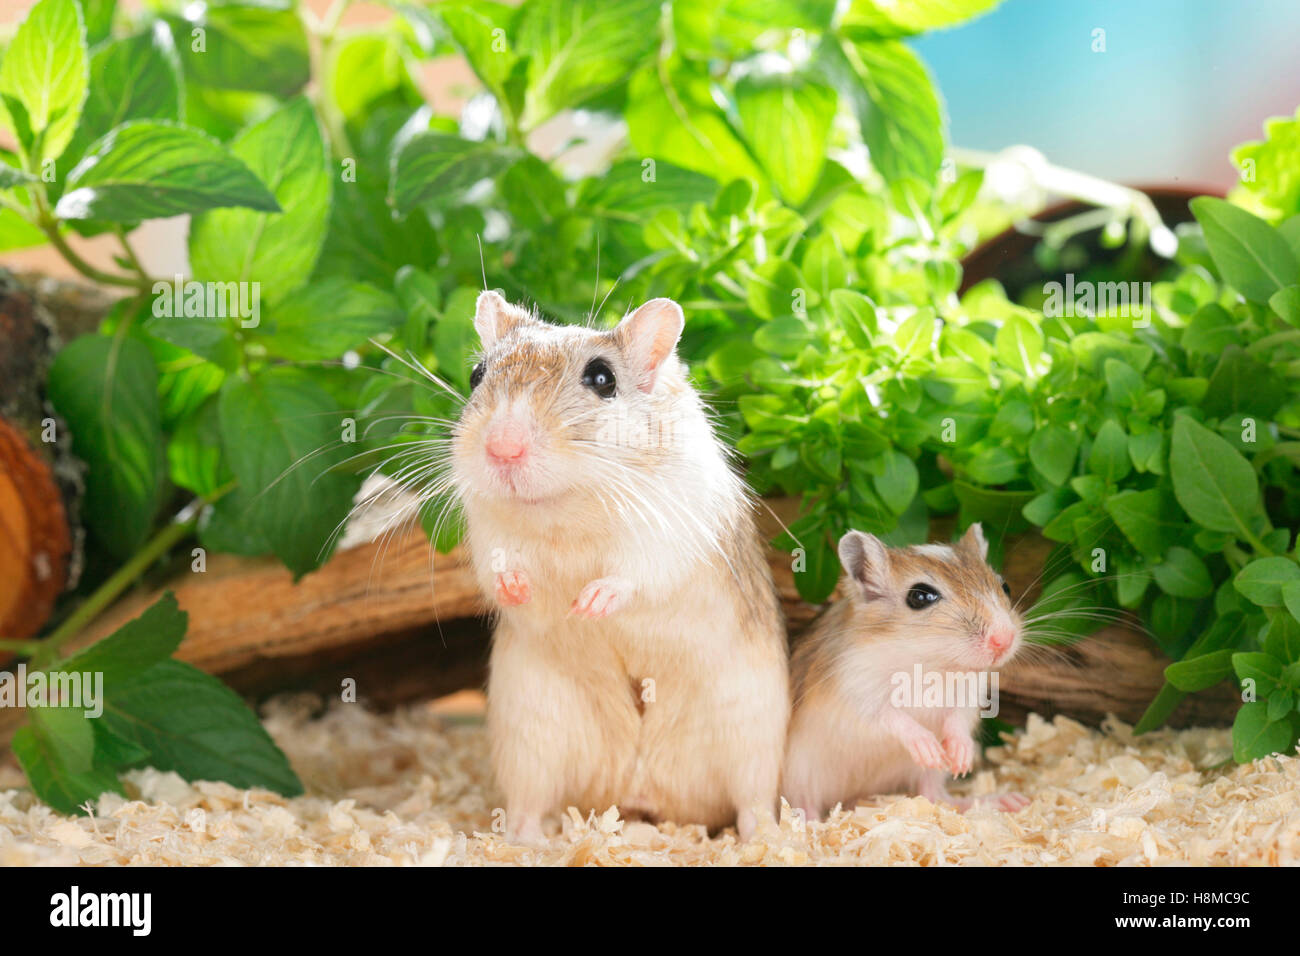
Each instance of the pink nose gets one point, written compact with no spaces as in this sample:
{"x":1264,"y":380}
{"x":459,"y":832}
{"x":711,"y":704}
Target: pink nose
{"x":1000,"y":641}
{"x":507,"y":443}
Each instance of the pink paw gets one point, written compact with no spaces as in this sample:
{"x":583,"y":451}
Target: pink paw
{"x":1011,"y":802}
{"x":513,"y":589}
{"x":960,"y":750}
{"x":602,"y":597}
{"x":926,"y":751}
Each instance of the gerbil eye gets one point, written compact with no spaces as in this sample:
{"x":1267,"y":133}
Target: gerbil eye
{"x":1006,"y":589}
{"x":921,"y":596}
{"x":599,"y":377}
{"x":475,"y":376}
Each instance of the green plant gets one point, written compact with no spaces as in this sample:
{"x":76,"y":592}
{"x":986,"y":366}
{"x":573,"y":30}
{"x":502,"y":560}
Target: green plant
{"x":783,"y":175}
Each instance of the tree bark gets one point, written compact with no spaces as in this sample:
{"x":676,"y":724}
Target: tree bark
{"x":40,"y":481}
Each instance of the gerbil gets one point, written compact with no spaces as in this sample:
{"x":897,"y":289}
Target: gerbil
{"x":860,"y":725}
{"x":639,"y":657}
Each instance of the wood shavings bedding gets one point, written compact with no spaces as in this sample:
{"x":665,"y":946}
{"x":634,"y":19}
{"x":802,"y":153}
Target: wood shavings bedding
{"x":413,"y":787}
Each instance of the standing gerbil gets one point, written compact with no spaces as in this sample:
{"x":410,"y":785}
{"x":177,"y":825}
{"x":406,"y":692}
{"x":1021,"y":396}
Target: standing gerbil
{"x":639,"y":658}
{"x":861,"y":724}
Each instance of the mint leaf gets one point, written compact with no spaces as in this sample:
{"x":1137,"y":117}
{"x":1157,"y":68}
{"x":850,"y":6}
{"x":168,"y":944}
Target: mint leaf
{"x":787,"y":123}
{"x":43,"y":79}
{"x":106,"y":389}
{"x":274,"y":245}
{"x":898,"y":110}
{"x":134,"y":647}
{"x":190,"y":722}
{"x":432,"y":167}
{"x":150,"y":170}
{"x":259,"y":47}
{"x":324,"y":319}
{"x":45,"y":762}
{"x":282,"y":435}
{"x":577,"y":48}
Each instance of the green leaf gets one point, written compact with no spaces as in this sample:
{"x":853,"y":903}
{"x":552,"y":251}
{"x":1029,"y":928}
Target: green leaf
{"x":578,"y":48}
{"x":324,"y":319}
{"x":1213,"y":482}
{"x":454,"y":337}
{"x":1199,"y":673}
{"x":191,"y":723}
{"x":43,"y":79}
{"x":481,"y":29}
{"x":133,"y":78}
{"x":1160,"y":709}
{"x":1264,"y":669}
{"x":254,"y":47}
{"x":787,"y":123}
{"x":821,"y":571}
{"x":1109,"y":458}
{"x":282,"y":436}
{"x":1286,"y":303}
{"x":897,"y":482}
{"x":276,"y":248}
{"x":438,"y":168}
{"x":134,"y":647}
{"x":70,"y":729}
{"x":898,"y":110}
{"x":1052,"y":450}
{"x":671,"y":115}
{"x":47,"y":770}
{"x":1183,"y":574}
{"x":1123,"y":385}
{"x":106,"y":390}
{"x":1262,"y":581}
{"x":1249,"y":253}
{"x":1149,"y":519}
{"x":1291,"y":598}
{"x":890,"y":18}
{"x":1255,"y":736}
{"x":151,"y":170}
{"x":1019,"y":344}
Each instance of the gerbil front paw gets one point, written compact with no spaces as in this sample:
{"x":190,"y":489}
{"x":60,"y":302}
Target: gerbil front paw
{"x":960,"y":750}
{"x":513,"y":589}
{"x":926,"y":751}
{"x":602,"y":597}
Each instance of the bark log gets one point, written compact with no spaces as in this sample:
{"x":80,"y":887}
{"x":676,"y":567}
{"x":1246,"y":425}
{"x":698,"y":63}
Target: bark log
{"x":40,"y":481}
{"x":406,"y":625}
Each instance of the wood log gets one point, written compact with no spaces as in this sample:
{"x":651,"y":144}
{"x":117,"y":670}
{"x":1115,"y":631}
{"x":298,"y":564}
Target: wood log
{"x":407,"y":625}
{"x":40,"y":480}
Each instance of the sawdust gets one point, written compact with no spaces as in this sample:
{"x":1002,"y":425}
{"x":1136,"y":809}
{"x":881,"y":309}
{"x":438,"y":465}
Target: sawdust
{"x":413,"y":787}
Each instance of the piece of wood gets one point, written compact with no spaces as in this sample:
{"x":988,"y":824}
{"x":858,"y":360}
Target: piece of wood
{"x":405,"y":629}
{"x":40,"y":480}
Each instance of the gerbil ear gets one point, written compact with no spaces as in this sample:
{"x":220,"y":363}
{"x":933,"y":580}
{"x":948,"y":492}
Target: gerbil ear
{"x":866,"y":560}
{"x":974,"y":542}
{"x":648,"y":336}
{"x":494,"y":317}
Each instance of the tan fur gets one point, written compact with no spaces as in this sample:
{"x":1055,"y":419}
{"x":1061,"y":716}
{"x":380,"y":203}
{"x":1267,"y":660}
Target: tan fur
{"x":675,"y":706}
{"x":846,"y":737}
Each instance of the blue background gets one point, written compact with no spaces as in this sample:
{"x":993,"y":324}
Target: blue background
{"x":1181,"y":82}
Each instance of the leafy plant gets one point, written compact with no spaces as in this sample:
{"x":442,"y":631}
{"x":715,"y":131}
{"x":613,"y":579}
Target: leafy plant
{"x":780,"y":169}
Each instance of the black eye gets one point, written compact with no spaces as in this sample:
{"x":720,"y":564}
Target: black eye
{"x":1006,"y":589}
{"x":475,"y":376}
{"x":599,"y":377}
{"x":921,"y":596}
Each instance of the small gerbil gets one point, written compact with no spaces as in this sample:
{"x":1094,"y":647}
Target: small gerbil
{"x":861,"y":725}
{"x":639,"y":657}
